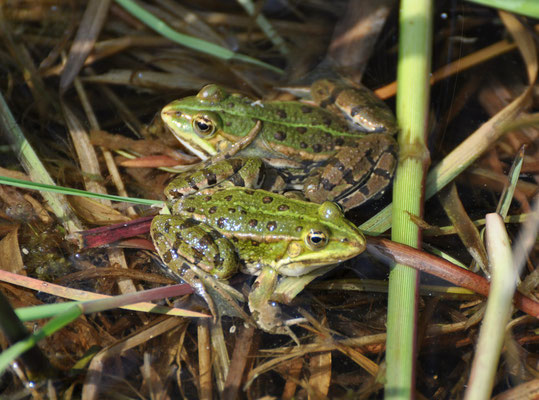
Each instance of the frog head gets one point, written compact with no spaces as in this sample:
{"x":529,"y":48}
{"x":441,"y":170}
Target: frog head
{"x":330,"y":239}
{"x":195,"y":121}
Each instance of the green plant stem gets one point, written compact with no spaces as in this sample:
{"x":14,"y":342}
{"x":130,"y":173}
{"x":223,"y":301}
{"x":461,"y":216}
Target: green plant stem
{"x":412,"y":106}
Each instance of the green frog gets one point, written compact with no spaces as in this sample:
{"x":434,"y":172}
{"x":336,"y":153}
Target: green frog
{"x":225,"y":228}
{"x":340,"y":150}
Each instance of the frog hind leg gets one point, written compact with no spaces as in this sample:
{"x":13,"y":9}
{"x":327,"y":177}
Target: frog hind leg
{"x":182,"y":241}
{"x":356,"y":173}
{"x":177,"y":238}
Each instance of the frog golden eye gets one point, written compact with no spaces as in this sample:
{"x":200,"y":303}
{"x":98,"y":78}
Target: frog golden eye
{"x":316,"y":239}
{"x":204,"y":125}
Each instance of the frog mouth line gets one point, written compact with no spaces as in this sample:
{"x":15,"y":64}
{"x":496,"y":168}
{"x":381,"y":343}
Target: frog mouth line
{"x":302,"y":267}
{"x":192,"y":147}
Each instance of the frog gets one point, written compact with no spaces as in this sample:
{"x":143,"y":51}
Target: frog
{"x":222,"y":228}
{"x":341,"y":149}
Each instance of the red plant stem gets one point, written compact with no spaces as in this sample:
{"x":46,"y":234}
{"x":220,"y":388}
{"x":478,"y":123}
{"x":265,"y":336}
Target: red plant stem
{"x":112,"y":233}
{"x":441,"y":268}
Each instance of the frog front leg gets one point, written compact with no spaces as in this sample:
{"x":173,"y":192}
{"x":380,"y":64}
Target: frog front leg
{"x":359,"y":172}
{"x":180,"y":241}
{"x":266,"y":314}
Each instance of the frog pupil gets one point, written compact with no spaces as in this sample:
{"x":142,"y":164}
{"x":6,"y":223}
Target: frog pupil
{"x":202,"y":126}
{"x":317,"y":239}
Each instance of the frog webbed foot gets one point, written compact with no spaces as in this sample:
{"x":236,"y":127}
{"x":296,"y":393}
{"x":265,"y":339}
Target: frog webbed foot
{"x":268,"y":314}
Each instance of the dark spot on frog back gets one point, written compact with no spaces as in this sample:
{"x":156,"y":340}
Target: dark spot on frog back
{"x":279,"y":135}
{"x":283,"y":207}
{"x":267,"y":199}
{"x":282,"y":114}
{"x":271,"y":226}
{"x":206,"y":240}
{"x":168,"y":256}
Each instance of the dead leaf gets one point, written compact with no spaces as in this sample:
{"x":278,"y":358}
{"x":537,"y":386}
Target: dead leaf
{"x":96,"y":213}
{"x":10,"y":253}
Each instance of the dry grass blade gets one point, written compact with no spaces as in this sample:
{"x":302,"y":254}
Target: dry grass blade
{"x":320,"y":374}
{"x":92,"y":21}
{"x":470,"y":149}
{"x":242,"y":348}
{"x":91,"y":389}
{"x":35,"y":168}
{"x":524,"y":391}
{"x":85,"y":152}
{"x":221,"y":360}
{"x":498,"y":311}
{"x":455,"y":67}
{"x":464,"y":226}
{"x":205,"y":385}
{"x":81,"y":295}
{"x":148,"y":79}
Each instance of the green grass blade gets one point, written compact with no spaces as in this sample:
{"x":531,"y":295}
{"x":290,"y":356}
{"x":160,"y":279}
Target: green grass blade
{"x":10,"y":354}
{"x":529,"y":8}
{"x":507,"y":196}
{"x":43,"y":311}
{"x":189,"y":41}
{"x":265,"y":26}
{"x":34,"y":167}
{"x":4,"y":180}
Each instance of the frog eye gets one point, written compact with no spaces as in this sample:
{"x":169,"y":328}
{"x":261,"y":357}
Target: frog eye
{"x":204,"y":125}
{"x":316,"y":239}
